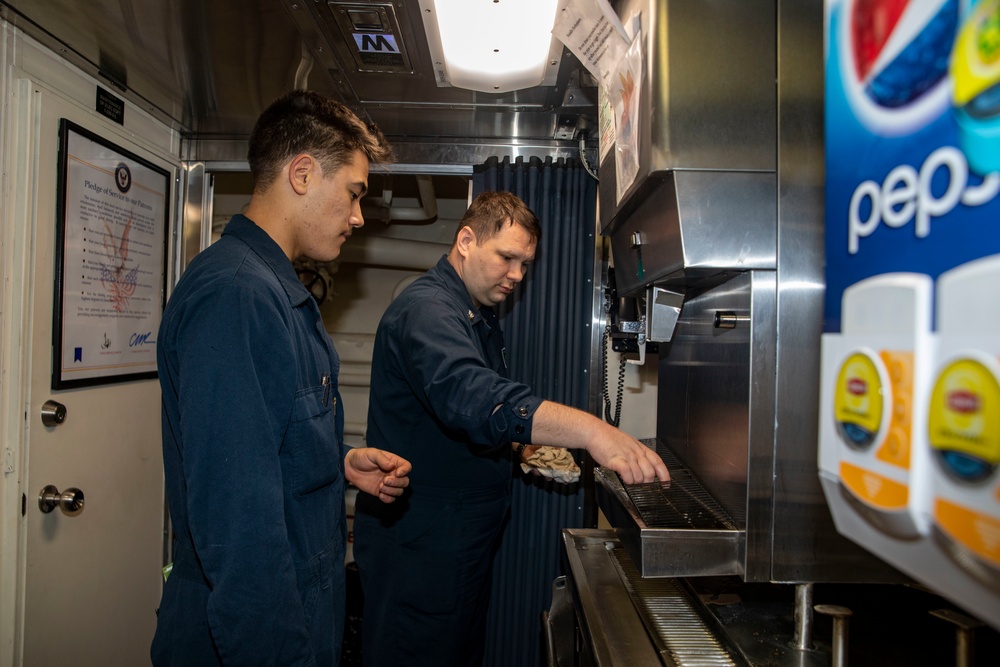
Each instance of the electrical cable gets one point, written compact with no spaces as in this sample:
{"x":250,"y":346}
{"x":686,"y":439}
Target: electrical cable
{"x":614,"y":419}
{"x":583,"y":159}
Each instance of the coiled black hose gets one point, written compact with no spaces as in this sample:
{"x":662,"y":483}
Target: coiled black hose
{"x":615,"y":418}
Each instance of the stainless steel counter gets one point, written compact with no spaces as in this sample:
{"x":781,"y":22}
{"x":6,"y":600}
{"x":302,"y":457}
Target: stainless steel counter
{"x":604,"y":614}
{"x":622,"y":619}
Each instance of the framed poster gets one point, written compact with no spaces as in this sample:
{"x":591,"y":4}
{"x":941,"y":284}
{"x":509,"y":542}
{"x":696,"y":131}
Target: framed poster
{"x":111,"y":254}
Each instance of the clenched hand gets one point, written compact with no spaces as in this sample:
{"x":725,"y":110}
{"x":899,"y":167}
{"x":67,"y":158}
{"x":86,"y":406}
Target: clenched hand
{"x":377,"y":472}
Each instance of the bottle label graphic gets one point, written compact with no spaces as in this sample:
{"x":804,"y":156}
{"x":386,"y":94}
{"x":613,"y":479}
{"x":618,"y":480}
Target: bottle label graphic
{"x":858,"y":401}
{"x":964,"y":421}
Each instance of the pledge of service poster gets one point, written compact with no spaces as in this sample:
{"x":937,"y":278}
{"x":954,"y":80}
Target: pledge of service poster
{"x":113,"y":262}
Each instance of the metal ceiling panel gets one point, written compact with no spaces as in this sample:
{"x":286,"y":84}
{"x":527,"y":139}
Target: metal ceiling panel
{"x":210,"y":68}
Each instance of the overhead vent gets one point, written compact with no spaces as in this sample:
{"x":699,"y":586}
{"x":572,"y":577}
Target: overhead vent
{"x":371,"y":34}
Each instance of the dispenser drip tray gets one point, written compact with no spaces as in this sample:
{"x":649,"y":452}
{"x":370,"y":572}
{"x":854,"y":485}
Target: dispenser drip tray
{"x":681,"y":503}
{"x":674,"y":529}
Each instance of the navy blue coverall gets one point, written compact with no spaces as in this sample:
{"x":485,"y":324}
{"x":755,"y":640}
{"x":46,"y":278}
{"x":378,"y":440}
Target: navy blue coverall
{"x":441,"y":399}
{"x":253,"y":458}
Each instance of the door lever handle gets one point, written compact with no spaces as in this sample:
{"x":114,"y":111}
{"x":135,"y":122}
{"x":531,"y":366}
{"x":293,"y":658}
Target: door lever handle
{"x":69,"y":501}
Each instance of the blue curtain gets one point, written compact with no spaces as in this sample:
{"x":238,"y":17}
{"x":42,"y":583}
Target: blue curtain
{"x":547,"y":326}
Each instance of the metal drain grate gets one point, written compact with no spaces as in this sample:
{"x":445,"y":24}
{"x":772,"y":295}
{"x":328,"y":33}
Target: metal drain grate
{"x":681,"y":503}
{"x":678,"y":631}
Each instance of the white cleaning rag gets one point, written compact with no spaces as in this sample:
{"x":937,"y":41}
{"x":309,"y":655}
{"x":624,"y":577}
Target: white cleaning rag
{"x":555,"y":463}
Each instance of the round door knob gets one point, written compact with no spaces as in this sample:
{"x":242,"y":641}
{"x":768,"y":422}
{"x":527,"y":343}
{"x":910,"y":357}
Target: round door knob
{"x":69,"y":501}
{"x":53,"y":413}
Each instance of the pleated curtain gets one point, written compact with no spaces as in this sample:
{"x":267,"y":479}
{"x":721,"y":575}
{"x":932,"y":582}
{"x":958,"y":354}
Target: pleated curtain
{"x":547,"y":326}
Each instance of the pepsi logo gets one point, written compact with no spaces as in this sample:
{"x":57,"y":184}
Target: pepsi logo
{"x":894,"y":59}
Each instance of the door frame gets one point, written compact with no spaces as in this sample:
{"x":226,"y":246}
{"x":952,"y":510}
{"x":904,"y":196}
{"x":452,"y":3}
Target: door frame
{"x":26,"y":64}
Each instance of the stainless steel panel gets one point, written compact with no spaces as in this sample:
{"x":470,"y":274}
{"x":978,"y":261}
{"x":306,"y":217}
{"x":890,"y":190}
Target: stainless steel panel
{"x":197,"y":217}
{"x":807,"y":546}
{"x":694,"y":224}
{"x":760,"y":446}
{"x":703,"y":404}
{"x":685,"y":122}
{"x":715,"y":404}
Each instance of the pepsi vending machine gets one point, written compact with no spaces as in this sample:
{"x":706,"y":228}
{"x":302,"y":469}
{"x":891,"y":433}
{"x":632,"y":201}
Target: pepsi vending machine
{"x":910,"y":385}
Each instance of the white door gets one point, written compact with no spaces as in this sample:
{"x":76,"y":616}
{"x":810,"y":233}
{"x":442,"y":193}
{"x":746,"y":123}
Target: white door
{"x":92,"y":581}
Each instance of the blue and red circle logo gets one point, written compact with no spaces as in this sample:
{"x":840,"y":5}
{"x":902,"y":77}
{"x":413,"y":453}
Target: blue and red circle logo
{"x":894,"y":58}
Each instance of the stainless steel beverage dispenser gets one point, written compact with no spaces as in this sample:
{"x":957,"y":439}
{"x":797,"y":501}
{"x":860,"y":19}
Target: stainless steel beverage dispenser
{"x":725,"y":211}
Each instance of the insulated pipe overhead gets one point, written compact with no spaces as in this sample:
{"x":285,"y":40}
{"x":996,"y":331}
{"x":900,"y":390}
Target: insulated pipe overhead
{"x":391,"y":252}
{"x":426,"y":212}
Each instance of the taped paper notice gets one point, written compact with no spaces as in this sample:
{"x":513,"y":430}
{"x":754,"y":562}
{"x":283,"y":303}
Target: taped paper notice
{"x":592,"y":31}
{"x":605,"y":123}
{"x":624,"y":92}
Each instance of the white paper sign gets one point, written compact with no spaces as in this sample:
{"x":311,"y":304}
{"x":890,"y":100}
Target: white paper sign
{"x":592,"y":31}
{"x":625,"y":92}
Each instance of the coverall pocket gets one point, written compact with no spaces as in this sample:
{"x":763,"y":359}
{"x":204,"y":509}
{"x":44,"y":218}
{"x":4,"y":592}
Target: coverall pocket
{"x":311,"y":442}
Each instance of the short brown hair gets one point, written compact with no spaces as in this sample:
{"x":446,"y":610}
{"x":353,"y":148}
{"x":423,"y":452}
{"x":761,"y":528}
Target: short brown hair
{"x":303,"y":121}
{"x":490,"y":211}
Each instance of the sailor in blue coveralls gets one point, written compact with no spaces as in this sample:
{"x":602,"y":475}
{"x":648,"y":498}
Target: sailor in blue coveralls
{"x":440,"y":397}
{"x":253,"y":451}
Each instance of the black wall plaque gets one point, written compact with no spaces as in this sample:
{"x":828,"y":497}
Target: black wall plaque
{"x":110,"y":106}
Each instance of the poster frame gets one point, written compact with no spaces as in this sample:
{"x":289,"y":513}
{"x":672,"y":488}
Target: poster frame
{"x":64,"y":325}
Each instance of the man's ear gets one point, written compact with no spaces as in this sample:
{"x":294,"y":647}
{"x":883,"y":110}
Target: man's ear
{"x":302,"y":169}
{"x":465,"y":238}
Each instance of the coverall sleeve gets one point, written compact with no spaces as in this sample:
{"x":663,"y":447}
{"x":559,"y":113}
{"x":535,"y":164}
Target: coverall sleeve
{"x":237,"y":383}
{"x":447,"y":371}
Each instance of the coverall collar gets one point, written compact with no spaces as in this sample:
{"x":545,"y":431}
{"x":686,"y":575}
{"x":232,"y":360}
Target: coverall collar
{"x":247,"y":231}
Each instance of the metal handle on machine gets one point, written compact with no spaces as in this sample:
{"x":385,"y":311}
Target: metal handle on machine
{"x":69,"y":501}
{"x":53,"y":413}
{"x":725,"y":319}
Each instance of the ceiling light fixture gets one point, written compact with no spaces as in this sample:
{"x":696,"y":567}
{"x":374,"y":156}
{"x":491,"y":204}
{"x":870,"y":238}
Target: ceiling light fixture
{"x":492,"y":46}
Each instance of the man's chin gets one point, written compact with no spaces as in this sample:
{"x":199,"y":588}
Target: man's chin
{"x":331,"y":253}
